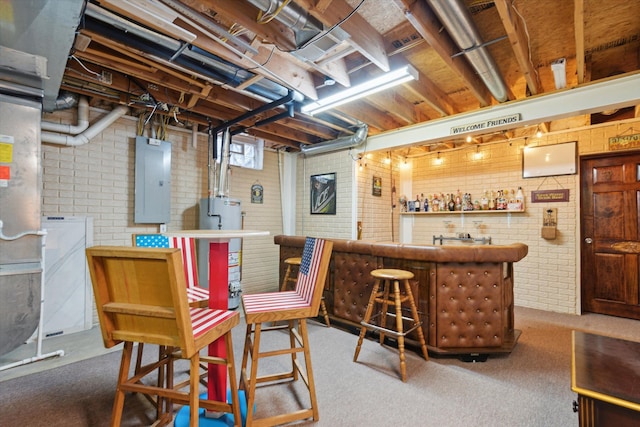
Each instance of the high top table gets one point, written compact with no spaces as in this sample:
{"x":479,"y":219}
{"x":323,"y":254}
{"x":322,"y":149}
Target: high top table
{"x":218,"y":293}
{"x":605,"y":372}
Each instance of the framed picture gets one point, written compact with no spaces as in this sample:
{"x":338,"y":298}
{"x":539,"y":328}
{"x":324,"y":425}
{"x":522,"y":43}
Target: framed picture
{"x":550,"y":160}
{"x":323,"y":194}
{"x":376,"y":188}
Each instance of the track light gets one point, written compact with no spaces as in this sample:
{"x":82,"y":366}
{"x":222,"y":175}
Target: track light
{"x":377,"y":84}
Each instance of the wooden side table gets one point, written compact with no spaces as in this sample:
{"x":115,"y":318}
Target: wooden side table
{"x":605,"y":372}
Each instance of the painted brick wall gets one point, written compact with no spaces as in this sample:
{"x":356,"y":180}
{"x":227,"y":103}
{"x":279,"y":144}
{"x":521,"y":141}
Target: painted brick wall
{"x":97,"y":180}
{"x":342,"y":224}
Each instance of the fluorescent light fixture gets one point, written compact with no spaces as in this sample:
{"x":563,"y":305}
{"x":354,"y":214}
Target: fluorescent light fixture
{"x":377,"y":84}
{"x":559,"y":72}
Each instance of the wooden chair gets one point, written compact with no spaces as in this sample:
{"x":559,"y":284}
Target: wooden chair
{"x":292,"y":307}
{"x":141,"y":296}
{"x":196,"y":296}
{"x":291,"y":277}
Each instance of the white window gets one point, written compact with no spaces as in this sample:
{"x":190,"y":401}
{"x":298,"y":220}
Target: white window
{"x":245,"y":151}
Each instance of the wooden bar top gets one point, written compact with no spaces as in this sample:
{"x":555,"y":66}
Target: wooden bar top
{"x":606,"y":369}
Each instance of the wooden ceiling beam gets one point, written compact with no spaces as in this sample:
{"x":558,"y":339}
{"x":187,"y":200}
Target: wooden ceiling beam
{"x":392,"y":103}
{"x":426,"y":23}
{"x":519,"y":44}
{"x":277,"y":140}
{"x":578,"y":29}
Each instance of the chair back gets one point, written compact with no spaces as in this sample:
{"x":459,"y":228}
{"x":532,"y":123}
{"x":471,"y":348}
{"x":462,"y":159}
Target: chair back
{"x":186,"y":244}
{"x":141,"y":296}
{"x":312,"y":273}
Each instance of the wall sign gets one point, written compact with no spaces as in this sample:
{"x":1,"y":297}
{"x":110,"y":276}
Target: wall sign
{"x":545,"y":196}
{"x":257,"y":193}
{"x":486,"y":124}
{"x":376,"y":188}
{"x":624,"y":142}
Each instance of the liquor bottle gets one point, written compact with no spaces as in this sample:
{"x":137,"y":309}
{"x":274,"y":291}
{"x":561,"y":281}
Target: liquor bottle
{"x":484,"y":201}
{"x":452,"y":203}
{"x":417,"y":203}
{"x":520,"y":198}
{"x":425,"y":206}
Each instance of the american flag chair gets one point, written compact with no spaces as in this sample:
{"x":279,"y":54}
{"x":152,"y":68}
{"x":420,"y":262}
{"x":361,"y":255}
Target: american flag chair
{"x":196,"y":296}
{"x":141,"y":297}
{"x":291,"y":309}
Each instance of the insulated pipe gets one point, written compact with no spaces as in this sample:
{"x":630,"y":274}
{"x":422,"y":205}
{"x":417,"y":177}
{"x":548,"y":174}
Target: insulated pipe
{"x":87,"y":135}
{"x":456,"y":18}
{"x":305,"y":27}
{"x":81,"y":126}
{"x":337,"y":144}
{"x":224,"y":163}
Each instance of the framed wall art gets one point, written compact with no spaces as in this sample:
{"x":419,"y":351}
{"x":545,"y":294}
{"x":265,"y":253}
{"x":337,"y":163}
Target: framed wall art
{"x":376,"y":187}
{"x":323,"y":194}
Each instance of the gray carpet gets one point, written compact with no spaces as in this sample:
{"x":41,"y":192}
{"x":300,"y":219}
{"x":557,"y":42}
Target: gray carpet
{"x":529,"y":387}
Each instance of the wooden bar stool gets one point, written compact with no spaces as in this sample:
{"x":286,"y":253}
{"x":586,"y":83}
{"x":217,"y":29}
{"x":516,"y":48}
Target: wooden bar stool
{"x":290,"y":276}
{"x":381,"y":296}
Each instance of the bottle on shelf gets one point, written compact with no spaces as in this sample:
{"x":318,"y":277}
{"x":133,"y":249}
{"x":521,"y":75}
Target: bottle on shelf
{"x":451,"y":203}
{"x":520,"y":198}
{"x":425,"y":205}
{"x":417,"y":203}
{"x":484,"y":201}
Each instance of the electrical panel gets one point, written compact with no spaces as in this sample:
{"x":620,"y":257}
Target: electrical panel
{"x":152,"y":181}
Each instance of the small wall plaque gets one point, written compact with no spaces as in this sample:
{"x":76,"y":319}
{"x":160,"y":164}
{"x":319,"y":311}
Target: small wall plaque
{"x":546,"y":196}
{"x":376,"y":189}
{"x":257,"y":193}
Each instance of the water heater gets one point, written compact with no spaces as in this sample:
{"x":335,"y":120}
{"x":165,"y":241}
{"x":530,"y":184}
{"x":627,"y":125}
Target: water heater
{"x":222,"y":213}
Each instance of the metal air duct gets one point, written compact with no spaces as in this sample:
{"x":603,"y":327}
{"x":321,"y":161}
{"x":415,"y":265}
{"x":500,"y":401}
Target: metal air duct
{"x":338,"y":144}
{"x":456,"y":18}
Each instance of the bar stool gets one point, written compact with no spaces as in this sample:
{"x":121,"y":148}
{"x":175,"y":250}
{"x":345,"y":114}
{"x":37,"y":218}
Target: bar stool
{"x":293,"y":263}
{"x":381,"y":295}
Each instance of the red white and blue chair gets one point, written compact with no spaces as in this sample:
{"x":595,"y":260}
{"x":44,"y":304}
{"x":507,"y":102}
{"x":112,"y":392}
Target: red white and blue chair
{"x":293,"y":308}
{"x":197,"y":295}
{"x":141,"y":297}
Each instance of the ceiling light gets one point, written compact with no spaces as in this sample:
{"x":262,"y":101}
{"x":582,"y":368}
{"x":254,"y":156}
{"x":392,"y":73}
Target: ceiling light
{"x":559,"y":72}
{"x":377,"y":84}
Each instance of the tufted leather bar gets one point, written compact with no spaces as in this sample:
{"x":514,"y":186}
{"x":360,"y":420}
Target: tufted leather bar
{"x":464,"y":293}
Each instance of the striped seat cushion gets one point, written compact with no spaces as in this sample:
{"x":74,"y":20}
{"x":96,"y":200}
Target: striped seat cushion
{"x":204,"y":319}
{"x":273,"y":301}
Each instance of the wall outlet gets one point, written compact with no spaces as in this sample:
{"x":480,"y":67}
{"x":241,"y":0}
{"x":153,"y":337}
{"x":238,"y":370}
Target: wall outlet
{"x":163,"y":228}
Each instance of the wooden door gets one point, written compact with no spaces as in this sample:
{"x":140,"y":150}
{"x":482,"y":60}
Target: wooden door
{"x":610,"y":199}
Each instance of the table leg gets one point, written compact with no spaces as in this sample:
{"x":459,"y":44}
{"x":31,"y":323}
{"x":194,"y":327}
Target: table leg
{"x":218,"y":299}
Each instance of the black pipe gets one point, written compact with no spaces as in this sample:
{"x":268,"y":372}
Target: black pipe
{"x":289,"y":113}
{"x":249,"y":114}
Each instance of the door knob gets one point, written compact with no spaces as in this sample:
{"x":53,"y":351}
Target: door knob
{"x":588,"y":240}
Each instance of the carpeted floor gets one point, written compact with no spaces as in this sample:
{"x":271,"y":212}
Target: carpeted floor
{"x":529,"y":387}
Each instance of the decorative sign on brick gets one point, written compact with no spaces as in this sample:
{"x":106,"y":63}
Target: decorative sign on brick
{"x":624,"y":142}
{"x":546,"y":196}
